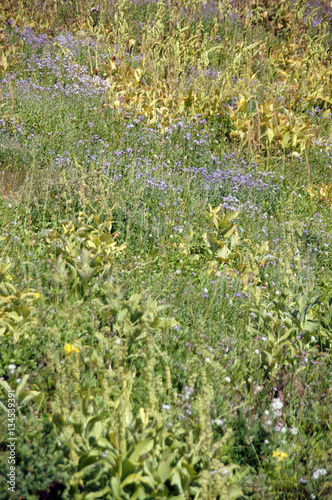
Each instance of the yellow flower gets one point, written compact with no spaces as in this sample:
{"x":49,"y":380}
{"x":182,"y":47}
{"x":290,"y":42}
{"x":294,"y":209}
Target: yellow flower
{"x":279,"y":455}
{"x":71,"y":348}
{"x":37,"y":295}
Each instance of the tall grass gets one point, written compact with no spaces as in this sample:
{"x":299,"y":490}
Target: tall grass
{"x":165,"y":265}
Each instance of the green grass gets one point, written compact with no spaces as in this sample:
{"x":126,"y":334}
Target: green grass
{"x":132,"y":345}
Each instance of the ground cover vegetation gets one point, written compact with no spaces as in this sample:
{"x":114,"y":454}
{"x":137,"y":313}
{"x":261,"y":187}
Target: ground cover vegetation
{"x":166,"y":258}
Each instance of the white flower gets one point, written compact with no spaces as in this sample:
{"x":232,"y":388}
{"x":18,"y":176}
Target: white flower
{"x":11,"y":369}
{"x":293,"y":430}
{"x":276,"y":407}
{"x":166,"y":407}
{"x":318,"y":473}
{"x":208,"y":360}
{"x":258,"y":389}
{"x":227,"y":380}
{"x":187,"y":391}
{"x":206,"y":290}
{"x":178,"y":271}
{"x":266,"y":441}
{"x":313,"y":339}
{"x":266,"y":412}
{"x":257,"y":352}
{"x":9,"y":205}
{"x":118,"y":341}
{"x":18,"y":380}
{"x":218,"y":422}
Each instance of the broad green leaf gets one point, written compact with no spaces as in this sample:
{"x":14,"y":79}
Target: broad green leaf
{"x":132,"y":478}
{"x":176,"y":481}
{"x":143,"y":447}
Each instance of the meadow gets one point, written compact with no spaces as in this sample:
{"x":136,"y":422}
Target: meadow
{"x":165,"y":249}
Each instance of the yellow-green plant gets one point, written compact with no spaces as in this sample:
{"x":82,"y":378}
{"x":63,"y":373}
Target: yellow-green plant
{"x":287,"y":326}
{"x":152,"y":459}
{"x":23,"y":394}
{"x":17,"y":310}
{"x":85,"y":248}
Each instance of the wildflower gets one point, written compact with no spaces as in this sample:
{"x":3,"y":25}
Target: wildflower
{"x":218,"y":422}
{"x":224,"y":472}
{"x":276,"y":407}
{"x":279,"y":455}
{"x":257,"y":352}
{"x":303,"y":480}
{"x":12,"y":369}
{"x":37,"y":295}
{"x":293,"y":430}
{"x":178,"y":271}
{"x":313,"y":339}
{"x":166,"y":407}
{"x":258,"y":388}
{"x":187,"y":391}
{"x":318,"y":473}
{"x":227,"y":380}
{"x":9,"y":205}
{"x":71,"y":348}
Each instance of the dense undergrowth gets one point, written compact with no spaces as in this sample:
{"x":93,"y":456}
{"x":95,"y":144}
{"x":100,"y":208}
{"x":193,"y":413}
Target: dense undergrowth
{"x":165,"y":263}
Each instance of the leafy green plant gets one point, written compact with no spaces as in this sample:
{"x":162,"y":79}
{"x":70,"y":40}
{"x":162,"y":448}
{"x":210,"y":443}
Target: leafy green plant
{"x":85,"y":250}
{"x":289,"y":325}
{"x":17,"y":309}
{"x":23,"y":393}
{"x":150,"y":458}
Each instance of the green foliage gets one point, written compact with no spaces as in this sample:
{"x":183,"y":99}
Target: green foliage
{"x":291,"y":327}
{"x":143,"y":458}
{"x":39,"y":470}
{"x":165,"y":277}
{"x":85,"y":250}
